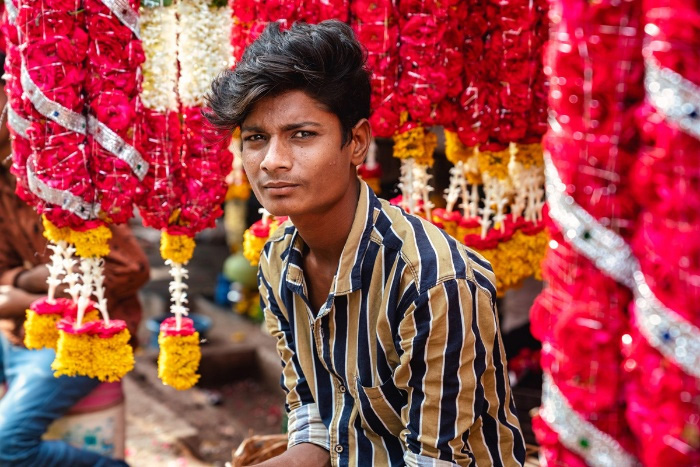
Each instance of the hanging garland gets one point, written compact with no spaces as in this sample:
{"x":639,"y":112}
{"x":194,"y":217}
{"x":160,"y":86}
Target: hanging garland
{"x":206,"y":161}
{"x":663,"y":348}
{"x":581,"y":316}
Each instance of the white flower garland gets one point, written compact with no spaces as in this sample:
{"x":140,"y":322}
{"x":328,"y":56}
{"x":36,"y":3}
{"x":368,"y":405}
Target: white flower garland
{"x":205,"y":48}
{"x":159,"y":36}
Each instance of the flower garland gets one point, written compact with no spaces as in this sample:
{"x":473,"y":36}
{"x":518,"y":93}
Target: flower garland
{"x":114,"y":57}
{"x":206,"y":160}
{"x":663,"y":347}
{"x":475,"y":101}
{"x":161,"y":190}
{"x":376,"y":25}
{"x":17,"y":117}
{"x":581,"y":315}
{"x":255,"y":237}
{"x":101,"y":349}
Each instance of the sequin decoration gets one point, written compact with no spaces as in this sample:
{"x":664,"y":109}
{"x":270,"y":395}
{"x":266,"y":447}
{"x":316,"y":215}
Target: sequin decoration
{"x":598,"y":449}
{"x":674,"y":96}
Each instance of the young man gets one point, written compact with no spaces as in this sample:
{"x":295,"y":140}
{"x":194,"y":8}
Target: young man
{"x":34,"y":397}
{"x":386,"y":326}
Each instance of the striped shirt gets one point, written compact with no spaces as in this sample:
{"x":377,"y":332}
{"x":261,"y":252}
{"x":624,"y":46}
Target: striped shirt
{"x":403,"y":364}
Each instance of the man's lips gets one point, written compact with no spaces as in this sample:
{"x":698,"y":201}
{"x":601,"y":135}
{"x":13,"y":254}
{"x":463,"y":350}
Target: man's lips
{"x":278,"y":185}
{"x":278,"y":188}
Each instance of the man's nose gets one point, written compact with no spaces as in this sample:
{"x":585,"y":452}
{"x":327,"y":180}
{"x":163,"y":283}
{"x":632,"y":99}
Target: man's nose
{"x":277,"y":157}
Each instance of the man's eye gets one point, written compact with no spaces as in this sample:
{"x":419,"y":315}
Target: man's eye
{"x":303,"y":134}
{"x":254,"y":138}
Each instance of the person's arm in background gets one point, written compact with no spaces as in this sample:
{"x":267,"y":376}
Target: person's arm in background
{"x":126,"y":267}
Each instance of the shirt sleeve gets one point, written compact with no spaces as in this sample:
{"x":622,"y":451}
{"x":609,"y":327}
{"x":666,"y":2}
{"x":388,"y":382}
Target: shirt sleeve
{"x":305,"y":424}
{"x":452,"y":367}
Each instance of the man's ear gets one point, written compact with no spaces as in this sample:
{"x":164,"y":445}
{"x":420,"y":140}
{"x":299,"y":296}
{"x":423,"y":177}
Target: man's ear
{"x":361,"y":139}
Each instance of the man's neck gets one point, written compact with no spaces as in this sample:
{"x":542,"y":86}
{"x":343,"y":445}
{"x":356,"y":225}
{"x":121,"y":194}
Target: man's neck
{"x":325,"y":234}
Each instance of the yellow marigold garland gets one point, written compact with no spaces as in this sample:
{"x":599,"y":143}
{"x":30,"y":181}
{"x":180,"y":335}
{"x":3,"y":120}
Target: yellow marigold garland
{"x":455,"y":150}
{"x":494,"y":163}
{"x":529,"y":155}
{"x":53,"y":233}
{"x":177,"y":248}
{"x":238,"y":191}
{"x":517,"y":259}
{"x":178,"y":360}
{"x":255,"y":237}
{"x":107,"y":359}
{"x":93,"y":242}
{"x":40,"y":330}
{"x":252,"y":247}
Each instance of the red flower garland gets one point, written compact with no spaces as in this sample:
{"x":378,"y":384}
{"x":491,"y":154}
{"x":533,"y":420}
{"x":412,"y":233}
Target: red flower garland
{"x":376,"y":26}
{"x":664,"y":400}
{"x":21,"y":149}
{"x":581,"y":316}
{"x":56,"y":46}
{"x":112,"y":86}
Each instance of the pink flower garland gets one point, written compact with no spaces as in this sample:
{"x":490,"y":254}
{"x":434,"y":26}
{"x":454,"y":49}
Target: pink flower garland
{"x":472,"y":121}
{"x":112,"y":86}
{"x":664,"y":400}
{"x":376,"y":25}
{"x":18,"y":118}
{"x":581,"y":316}
{"x":56,"y":45}
{"x":206,"y":162}
{"x":422,"y":83}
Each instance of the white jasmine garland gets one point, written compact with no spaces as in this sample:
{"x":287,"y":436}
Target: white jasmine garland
{"x":204,"y":48}
{"x":159,"y":36}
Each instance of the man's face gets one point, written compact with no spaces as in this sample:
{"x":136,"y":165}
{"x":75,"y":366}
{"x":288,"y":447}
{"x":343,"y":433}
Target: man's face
{"x":293,"y":157}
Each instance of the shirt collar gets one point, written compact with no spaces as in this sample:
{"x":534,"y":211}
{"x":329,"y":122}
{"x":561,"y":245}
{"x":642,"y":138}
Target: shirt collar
{"x":348,"y":276}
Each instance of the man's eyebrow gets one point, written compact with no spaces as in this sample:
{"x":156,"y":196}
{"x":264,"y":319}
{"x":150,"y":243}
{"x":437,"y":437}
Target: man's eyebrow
{"x":296,"y":126}
{"x":287,"y":127}
{"x":254,"y":129}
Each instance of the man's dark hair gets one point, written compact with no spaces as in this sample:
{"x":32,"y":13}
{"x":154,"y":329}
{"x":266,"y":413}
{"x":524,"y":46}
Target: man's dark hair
{"x":323,"y":60}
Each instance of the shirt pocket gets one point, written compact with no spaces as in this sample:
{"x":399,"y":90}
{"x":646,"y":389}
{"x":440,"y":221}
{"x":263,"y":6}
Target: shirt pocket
{"x":380,"y":407}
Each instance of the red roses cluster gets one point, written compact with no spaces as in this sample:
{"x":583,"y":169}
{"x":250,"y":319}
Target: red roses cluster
{"x":112,"y":85}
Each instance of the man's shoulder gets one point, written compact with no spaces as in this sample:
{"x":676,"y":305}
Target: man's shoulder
{"x":278,"y":243}
{"x":432,"y":256}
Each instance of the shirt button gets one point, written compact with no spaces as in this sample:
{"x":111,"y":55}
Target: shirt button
{"x":338,"y":448}
{"x":342,"y":388}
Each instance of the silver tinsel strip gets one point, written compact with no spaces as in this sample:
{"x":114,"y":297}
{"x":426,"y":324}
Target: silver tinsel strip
{"x":50,"y":109}
{"x":670,"y":334}
{"x":665,"y":330}
{"x":11,"y":11}
{"x":674,"y":96}
{"x":18,"y":124}
{"x":127,"y":15}
{"x":597,"y":448}
{"x":608,"y":251}
{"x":63,"y":198}
{"x":113,"y":143}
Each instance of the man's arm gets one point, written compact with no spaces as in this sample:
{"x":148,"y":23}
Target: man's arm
{"x":14,"y":302}
{"x":300,"y":455}
{"x":453,"y":368}
{"x":307,"y":433}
